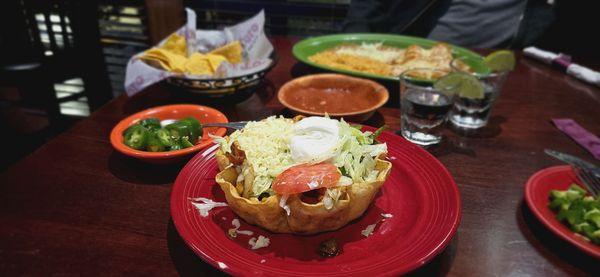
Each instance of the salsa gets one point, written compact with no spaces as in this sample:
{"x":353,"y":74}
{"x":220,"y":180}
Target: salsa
{"x":334,"y":99}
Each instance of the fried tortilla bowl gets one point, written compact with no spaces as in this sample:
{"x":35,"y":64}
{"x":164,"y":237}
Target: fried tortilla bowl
{"x":304,"y":218}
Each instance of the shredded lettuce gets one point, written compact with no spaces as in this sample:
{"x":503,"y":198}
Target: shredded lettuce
{"x":266,"y":145}
{"x":378,"y":132}
{"x":375,"y":150}
{"x":225,"y":145}
{"x":331,"y":197}
{"x":261,"y":184}
{"x":356,"y":158}
{"x":283,"y":204}
{"x":345,"y":181}
{"x":362,"y":138}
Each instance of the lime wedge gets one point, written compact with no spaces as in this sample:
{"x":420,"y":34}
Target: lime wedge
{"x":463,"y":84}
{"x":449,"y":82}
{"x":500,"y":61}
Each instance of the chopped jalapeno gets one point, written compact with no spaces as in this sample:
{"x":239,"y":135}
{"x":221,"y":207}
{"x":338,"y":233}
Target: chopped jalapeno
{"x":176,"y":146}
{"x":136,"y":137}
{"x":581,"y":212}
{"x":155,"y":144}
{"x":151,"y":123}
{"x":185,"y":143}
{"x":164,"y":136}
{"x":148,"y":135}
{"x":378,"y":132}
{"x":179,"y":129}
{"x":195,"y":128}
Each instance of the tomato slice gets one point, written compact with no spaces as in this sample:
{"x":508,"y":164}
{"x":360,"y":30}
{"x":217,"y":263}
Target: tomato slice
{"x":305,"y":177}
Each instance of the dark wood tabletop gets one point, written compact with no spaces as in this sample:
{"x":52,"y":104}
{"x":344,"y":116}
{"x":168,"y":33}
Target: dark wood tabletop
{"x":76,"y":206}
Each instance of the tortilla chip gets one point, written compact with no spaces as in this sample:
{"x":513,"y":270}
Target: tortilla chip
{"x":198,"y":64}
{"x":171,"y":56}
{"x":231,"y":51}
{"x":175,"y":44}
{"x":168,"y":60}
{"x":304,"y":218}
{"x":215,"y":61}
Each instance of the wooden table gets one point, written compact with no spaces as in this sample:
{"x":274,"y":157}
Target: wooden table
{"x":76,"y":206}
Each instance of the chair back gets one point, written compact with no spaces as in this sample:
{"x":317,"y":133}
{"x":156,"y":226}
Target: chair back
{"x":283,"y":17}
{"x":49,"y":25}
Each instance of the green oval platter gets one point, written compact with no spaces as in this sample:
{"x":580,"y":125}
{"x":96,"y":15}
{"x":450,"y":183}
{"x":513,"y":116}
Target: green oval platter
{"x":310,"y":46}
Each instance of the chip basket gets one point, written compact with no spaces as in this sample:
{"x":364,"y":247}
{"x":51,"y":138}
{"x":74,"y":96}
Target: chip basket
{"x":222,"y":87}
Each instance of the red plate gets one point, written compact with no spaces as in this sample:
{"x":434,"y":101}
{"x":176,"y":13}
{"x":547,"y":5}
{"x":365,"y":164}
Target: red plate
{"x":419,"y":193}
{"x":537,"y":190}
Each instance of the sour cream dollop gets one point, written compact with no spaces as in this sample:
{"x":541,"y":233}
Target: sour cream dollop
{"x":314,"y":139}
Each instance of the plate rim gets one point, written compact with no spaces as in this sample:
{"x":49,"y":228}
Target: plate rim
{"x":549,"y":223}
{"x":441,"y":245}
{"x":359,"y":36}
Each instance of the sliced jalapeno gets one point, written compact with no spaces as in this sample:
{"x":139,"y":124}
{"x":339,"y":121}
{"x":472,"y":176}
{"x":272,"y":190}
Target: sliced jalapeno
{"x":155,"y":144}
{"x":185,"y":143}
{"x":179,"y":129}
{"x":136,"y":137}
{"x":176,"y":146}
{"x":195,"y":128}
{"x":151,"y":123}
{"x":164,"y":136}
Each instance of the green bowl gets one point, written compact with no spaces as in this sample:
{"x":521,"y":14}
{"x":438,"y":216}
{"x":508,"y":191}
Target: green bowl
{"x":308,"y":47}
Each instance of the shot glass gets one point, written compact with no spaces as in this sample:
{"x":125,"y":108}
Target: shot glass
{"x":424,"y":109}
{"x":469,"y":113}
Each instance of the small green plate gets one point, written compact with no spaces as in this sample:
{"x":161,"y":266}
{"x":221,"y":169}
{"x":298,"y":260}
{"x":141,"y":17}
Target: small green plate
{"x":308,"y":47}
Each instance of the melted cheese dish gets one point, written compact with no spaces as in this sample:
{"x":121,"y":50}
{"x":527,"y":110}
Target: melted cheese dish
{"x":376,"y":58}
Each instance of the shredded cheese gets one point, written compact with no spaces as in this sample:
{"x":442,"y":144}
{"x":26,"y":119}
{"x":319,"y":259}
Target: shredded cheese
{"x":236,"y":223}
{"x":245,"y":232}
{"x":369,"y":230}
{"x":373,"y":51}
{"x":332,"y":195}
{"x":259,"y":243}
{"x":266,"y":146}
{"x":233,"y":232}
{"x":204,"y":205}
{"x":284,"y":205}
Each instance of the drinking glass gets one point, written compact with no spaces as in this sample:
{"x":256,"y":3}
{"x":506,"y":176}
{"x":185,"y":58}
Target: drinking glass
{"x":472,"y":113}
{"x":424,"y":109}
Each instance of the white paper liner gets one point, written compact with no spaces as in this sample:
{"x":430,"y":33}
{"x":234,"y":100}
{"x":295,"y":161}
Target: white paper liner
{"x":256,"y":49}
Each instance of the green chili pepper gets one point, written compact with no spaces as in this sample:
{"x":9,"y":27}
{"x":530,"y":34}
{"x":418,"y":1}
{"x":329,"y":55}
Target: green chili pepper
{"x":179,"y":129}
{"x":356,"y":126}
{"x":155,"y":144}
{"x":148,"y":135}
{"x":593,"y":216}
{"x":580,"y":211}
{"x":164,"y":137}
{"x":378,"y":132}
{"x":185,"y":143}
{"x":175,"y":146}
{"x":195,"y":128}
{"x":151,"y":123}
{"x":136,"y":137}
